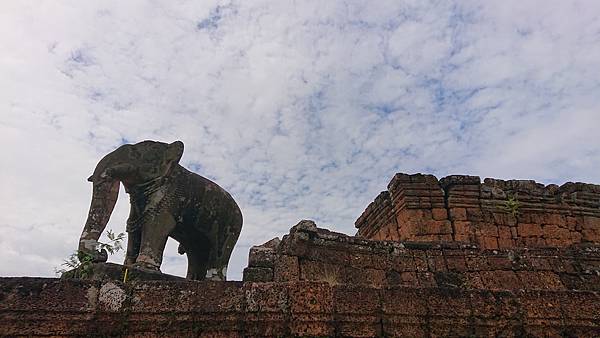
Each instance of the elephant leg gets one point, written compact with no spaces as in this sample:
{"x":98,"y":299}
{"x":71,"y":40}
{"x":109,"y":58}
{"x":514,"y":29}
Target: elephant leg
{"x":196,"y":247}
{"x":134,"y":239}
{"x":220,"y":254}
{"x":197,"y":261}
{"x":153,"y":241}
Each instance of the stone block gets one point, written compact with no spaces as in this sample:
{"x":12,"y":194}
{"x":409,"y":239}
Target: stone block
{"x":504,"y":232}
{"x":206,"y":296}
{"x":47,"y":294}
{"x":311,"y":306}
{"x":286,"y":269}
{"x":436,"y":261}
{"x":476,"y":263}
{"x":420,"y":260}
{"x":330,"y":254}
{"x":529,"y":230}
{"x":404,"y":301}
{"x":450,"y":279}
{"x":535,"y":306}
{"x":266,"y":297}
{"x":475,"y":215}
{"x":540,"y":263}
{"x":402,"y":263}
{"x":500,"y":218}
{"x":487,"y":230}
{"x":261,"y":257}
{"x":458,"y":214}
{"x":426,"y":280}
{"x":506,"y":243}
{"x":441,"y":227}
{"x":356,"y":311}
{"x":258,"y":274}
{"x":464,"y":238}
{"x":463,"y":228}
{"x":456,"y":262}
{"x":500,"y":280}
{"x":439,"y":214}
{"x":577,"y":237}
{"x":488,"y":242}
{"x":499,"y":262}
{"x":541,"y":280}
{"x":558,"y":219}
{"x":484,"y":305}
{"x":448,"y":302}
{"x":591,"y":235}
{"x":534,"y":242}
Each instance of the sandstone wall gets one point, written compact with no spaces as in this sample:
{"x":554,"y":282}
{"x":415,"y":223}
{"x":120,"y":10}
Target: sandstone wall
{"x":60,"y":308}
{"x":309,"y":253}
{"x":493,"y":214}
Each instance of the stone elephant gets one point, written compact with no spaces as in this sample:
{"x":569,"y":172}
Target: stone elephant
{"x":166,"y":200}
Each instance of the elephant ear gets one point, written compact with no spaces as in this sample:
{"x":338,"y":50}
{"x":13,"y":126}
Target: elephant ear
{"x":172,"y":155}
{"x":174,"y":152}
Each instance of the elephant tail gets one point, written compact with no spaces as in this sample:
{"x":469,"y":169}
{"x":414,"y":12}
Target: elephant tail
{"x":181,"y":249}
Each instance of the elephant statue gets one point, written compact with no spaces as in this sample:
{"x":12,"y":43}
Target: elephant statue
{"x":166,"y":200}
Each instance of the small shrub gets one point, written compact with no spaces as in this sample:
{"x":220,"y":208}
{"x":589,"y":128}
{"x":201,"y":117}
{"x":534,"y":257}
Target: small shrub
{"x":79,"y":263}
{"x":511,"y":205}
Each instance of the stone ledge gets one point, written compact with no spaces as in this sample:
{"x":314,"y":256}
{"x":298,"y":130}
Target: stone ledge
{"x":112,"y":271}
{"x":47,"y":306}
{"x":309,"y":253}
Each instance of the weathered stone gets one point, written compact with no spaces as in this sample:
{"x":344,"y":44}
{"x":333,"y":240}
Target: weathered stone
{"x":261,"y":257}
{"x":258,"y":274}
{"x":166,"y":200}
{"x":544,"y":215}
{"x":286,"y":269}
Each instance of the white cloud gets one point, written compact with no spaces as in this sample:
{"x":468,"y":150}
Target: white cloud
{"x":299,"y":109}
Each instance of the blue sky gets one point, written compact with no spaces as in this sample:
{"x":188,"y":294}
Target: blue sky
{"x":300,"y":109}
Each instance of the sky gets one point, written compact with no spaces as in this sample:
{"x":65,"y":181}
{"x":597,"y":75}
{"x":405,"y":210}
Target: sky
{"x":300,"y":109}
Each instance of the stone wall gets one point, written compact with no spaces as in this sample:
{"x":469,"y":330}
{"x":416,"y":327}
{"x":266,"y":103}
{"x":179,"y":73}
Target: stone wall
{"x":60,"y":308}
{"x":451,"y":257}
{"x":318,"y":283}
{"x":493,"y":214}
{"x":309,"y":253}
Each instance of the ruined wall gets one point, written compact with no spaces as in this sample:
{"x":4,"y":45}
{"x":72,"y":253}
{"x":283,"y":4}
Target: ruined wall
{"x":451,"y":257}
{"x":309,"y":253}
{"x":315,"y":282}
{"x":493,"y":214}
{"x":60,"y":308}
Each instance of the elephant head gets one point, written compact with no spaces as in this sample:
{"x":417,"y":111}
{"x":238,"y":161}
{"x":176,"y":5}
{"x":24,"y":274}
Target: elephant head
{"x":133,"y":165}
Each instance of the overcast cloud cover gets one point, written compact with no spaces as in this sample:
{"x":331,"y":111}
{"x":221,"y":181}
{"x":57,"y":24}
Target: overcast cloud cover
{"x":300,"y":109}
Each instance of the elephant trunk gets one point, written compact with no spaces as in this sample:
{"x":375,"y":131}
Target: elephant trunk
{"x":104,"y":198}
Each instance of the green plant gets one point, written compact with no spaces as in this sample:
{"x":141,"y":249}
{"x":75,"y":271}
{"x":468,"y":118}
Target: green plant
{"x":511,"y":205}
{"x":79,"y":263}
{"x":115,"y":242}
